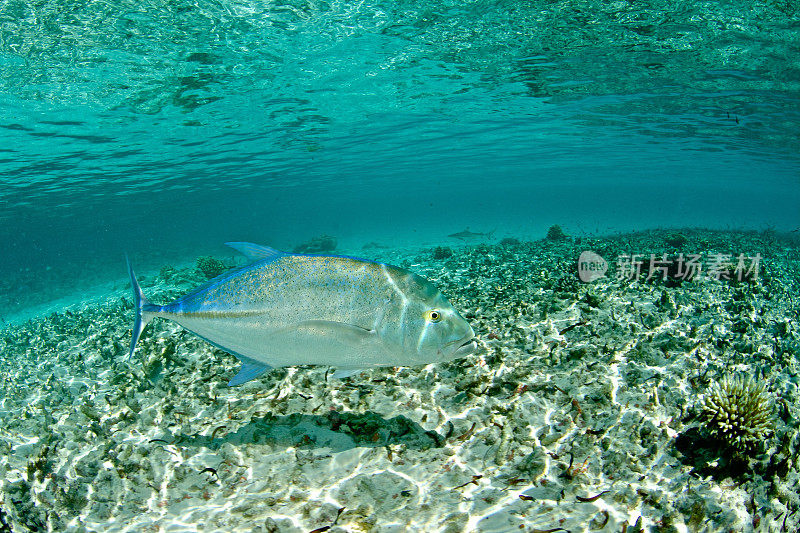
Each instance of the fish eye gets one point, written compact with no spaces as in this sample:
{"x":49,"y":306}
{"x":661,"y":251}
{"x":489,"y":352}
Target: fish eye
{"x":433,"y":315}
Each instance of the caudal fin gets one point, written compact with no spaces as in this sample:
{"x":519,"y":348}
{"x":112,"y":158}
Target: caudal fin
{"x":139,"y":304}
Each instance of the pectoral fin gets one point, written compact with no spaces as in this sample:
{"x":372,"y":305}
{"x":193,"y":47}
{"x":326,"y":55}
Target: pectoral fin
{"x":341,"y":331}
{"x":329,"y":342}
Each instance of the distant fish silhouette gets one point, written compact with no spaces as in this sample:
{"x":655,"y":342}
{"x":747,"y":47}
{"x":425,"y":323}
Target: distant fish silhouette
{"x":468,"y":235}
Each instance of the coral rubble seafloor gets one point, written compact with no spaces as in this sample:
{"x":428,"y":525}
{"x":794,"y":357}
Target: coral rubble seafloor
{"x":583,"y":408}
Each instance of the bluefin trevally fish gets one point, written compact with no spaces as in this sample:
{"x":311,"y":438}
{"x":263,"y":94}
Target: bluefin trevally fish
{"x":287,"y":309}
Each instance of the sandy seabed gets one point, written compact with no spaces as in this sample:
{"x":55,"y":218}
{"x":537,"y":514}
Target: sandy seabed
{"x":579,"y":412}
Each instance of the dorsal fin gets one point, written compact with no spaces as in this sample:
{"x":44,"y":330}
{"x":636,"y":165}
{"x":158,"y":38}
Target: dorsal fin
{"x":256,"y":252}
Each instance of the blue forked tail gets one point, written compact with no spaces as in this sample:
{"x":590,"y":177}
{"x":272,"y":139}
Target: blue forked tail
{"x":141,"y":305}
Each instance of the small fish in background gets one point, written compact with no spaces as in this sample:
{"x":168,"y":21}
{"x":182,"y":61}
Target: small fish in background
{"x":467,"y":235}
{"x":298,"y":309}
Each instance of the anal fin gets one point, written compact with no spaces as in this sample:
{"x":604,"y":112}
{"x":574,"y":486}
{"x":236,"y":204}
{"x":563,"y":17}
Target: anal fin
{"x":342,"y":373}
{"x":250,"y":370}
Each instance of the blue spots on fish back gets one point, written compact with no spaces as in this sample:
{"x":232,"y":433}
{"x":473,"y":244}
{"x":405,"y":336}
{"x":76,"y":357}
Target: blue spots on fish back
{"x":357,"y":259}
{"x":212,"y":290}
{"x":267,"y":279}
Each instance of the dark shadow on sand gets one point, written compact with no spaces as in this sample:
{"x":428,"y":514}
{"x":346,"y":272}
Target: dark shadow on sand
{"x":334,"y":430}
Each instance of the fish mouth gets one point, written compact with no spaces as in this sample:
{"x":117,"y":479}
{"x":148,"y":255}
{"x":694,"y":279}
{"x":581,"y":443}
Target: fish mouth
{"x":466,"y":348}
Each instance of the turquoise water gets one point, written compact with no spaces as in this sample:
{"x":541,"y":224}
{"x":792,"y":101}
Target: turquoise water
{"x":153,"y":126}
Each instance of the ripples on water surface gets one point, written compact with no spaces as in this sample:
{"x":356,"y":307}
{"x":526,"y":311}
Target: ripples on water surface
{"x":142,"y":125}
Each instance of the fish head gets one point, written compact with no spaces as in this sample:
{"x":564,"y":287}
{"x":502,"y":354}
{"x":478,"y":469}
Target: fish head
{"x":431,"y":329}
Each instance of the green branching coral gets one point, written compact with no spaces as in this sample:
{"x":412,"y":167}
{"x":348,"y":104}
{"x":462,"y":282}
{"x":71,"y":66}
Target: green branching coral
{"x":738,"y":412}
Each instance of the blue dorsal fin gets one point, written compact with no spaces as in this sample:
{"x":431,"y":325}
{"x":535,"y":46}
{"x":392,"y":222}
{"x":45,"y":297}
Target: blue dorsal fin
{"x":249,"y":370}
{"x":256,"y":252}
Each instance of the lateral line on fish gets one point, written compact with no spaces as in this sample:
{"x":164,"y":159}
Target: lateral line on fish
{"x":217,"y":314}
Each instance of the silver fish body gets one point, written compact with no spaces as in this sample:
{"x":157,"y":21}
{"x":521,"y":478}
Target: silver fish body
{"x":295,"y":309}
